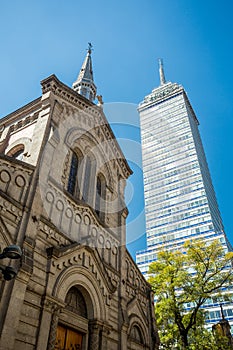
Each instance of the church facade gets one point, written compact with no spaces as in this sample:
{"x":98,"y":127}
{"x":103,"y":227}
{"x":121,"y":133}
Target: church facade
{"x":62,"y":181}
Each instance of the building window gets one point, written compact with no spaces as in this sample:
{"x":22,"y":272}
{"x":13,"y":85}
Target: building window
{"x":100,"y":196}
{"x":73,"y":174}
{"x":75,"y":302}
{"x":82,"y":176}
{"x":16,"y":152}
{"x":136,"y":335}
{"x":18,"y":155}
{"x":86,"y":184}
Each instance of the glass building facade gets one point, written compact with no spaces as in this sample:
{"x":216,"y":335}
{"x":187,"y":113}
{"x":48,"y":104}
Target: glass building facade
{"x":180,"y":201}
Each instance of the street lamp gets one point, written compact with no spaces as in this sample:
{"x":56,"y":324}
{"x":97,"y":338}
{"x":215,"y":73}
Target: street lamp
{"x":10,"y":252}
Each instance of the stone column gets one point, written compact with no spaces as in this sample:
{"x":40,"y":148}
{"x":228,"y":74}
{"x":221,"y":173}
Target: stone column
{"x":50,"y":316}
{"x":56,"y":309}
{"x":94,"y":335}
{"x":98,"y":335}
{"x":105,"y":335}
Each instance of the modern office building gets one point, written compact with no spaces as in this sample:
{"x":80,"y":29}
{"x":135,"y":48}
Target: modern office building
{"x":180,"y":201}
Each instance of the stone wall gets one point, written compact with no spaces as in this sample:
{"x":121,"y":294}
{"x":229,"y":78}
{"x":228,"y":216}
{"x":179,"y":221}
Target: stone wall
{"x":68,"y":248}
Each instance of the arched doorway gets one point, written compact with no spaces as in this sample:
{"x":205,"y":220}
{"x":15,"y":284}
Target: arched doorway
{"x":90,"y":321}
{"x":67,"y":337}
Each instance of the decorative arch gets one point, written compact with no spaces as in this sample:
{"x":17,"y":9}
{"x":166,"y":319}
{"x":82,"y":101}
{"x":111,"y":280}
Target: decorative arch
{"x":80,"y":322}
{"x":136,"y":334}
{"x":75,"y":302}
{"x":138,"y":331}
{"x":16,"y":152}
{"x":82,"y":279}
{"x":75,"y":334}
{"x":22,"y":143}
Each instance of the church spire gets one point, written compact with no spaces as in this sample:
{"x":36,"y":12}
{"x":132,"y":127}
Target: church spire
{"x":84,"y":84}
{"x":161,"y":72}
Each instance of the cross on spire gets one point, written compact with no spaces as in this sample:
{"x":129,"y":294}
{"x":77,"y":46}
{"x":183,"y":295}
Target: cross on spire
{"x":90,"y":48}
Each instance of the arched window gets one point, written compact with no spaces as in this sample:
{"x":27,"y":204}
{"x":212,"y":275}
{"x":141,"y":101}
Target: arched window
{"x":75,"y":302}
{"x":86,"y":184}
{"x":100,"y":196}
{"x":73,"y":174}
{"x":16,"y":152}
{"x":81,"y":175}
{"x":18,"y":155}
{"x":136,"y":335}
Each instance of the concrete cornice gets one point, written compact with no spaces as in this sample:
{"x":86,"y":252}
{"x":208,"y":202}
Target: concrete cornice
{"x":26,"y":109}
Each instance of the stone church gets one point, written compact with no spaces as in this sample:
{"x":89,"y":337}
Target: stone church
{"x":62,"y":182}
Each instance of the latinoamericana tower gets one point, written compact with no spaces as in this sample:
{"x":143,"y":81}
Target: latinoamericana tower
{"x":180,"y":201}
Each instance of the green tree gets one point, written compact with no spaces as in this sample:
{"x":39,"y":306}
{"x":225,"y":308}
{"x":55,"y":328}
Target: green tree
{"x":187,"y":278}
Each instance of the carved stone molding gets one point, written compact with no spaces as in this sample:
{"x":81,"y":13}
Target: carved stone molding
{"x":134,"y":277}
{"x":50,"y":233}
{"x":14,"y":179}
{"x":77,"y":220}
{"x":86,"y":257}
{"x":55,"y":309}
{"x":10,"y":211}
{"x":52,"y":306}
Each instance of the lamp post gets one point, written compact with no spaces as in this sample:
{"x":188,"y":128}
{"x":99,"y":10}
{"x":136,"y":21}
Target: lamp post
{"x":10,"y":252}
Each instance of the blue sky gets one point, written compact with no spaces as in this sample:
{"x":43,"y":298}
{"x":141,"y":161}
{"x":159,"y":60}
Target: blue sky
{"x":194,"y":38}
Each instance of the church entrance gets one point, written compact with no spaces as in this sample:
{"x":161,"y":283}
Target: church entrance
{"x":68,"y":339}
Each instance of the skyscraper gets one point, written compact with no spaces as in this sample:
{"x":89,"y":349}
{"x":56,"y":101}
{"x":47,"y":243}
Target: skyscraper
{"x":180,"y":201}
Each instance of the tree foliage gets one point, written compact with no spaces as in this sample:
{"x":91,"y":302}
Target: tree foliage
{"x":187,"y":278}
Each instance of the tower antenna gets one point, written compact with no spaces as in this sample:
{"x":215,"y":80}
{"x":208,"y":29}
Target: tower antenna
{"x":161,"y":72}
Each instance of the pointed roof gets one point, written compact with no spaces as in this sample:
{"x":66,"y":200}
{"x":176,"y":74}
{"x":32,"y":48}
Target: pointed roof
{"x":86,"y":71}
{"x":84,"y":84}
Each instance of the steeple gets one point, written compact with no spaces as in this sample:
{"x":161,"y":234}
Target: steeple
{"x":84,"y":84}
{"x":161,"y":72}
